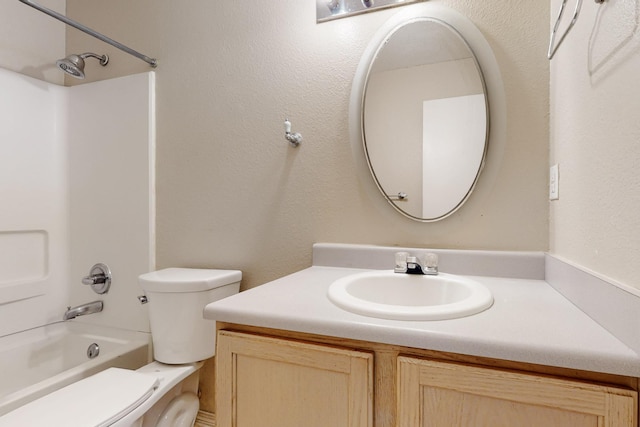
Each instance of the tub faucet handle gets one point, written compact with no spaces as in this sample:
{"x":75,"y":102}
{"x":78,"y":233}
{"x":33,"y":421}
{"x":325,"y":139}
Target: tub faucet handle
{"x":99,"y":278}
{"x":94,"y":279}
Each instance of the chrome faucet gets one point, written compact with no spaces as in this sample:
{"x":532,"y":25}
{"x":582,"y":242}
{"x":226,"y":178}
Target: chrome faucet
{"x":426,"y":264}
{"x":81,"y":310}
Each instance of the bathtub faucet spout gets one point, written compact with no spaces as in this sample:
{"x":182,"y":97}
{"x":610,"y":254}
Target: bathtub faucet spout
{"x":81,"y":310}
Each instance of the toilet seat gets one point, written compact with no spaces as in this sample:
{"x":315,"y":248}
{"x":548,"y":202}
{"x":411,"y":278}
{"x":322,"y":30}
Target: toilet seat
{"x":99,"y":400}
{"x":168,"y":377}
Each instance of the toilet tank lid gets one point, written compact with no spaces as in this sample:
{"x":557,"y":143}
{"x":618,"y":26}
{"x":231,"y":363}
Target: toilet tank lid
{"x":188,"y":279}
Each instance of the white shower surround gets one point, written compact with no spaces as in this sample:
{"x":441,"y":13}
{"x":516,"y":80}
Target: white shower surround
{"x":76,"y":184}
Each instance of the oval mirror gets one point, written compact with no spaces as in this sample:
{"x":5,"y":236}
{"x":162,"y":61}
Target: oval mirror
{"x":424,"y":118}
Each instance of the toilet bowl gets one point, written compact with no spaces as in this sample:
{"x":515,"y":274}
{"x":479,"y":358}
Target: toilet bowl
{"x":163,"y":393}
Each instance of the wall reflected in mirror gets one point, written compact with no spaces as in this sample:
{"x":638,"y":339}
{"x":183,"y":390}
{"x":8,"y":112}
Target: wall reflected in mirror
{"x":425,"y":119}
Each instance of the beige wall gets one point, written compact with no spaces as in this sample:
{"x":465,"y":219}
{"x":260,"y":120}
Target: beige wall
{"x":233,"y":194}
{"x":595,"y":138}
{"x":30,"y":42}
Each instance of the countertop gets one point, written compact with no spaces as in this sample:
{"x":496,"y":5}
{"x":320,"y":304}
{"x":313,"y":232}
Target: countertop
{"x":529,"y":322}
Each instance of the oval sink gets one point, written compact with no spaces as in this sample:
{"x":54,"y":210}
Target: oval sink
{"x":396,"y":296}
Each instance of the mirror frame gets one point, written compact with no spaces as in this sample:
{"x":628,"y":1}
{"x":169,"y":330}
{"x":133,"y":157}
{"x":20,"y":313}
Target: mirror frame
{"x":488,"y":70}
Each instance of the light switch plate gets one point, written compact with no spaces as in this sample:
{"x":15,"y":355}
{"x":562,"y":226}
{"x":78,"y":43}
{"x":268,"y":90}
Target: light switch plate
{"x":554,"y":185}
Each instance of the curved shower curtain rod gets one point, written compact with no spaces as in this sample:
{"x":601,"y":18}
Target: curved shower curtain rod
{"x":151,"y":61}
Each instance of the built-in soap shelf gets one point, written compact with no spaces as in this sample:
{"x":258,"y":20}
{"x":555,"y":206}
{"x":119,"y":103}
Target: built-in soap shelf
{"x":24,"y":266}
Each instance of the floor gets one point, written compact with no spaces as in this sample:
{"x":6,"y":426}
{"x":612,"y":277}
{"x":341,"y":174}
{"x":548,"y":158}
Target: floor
{"x":205,"y":419}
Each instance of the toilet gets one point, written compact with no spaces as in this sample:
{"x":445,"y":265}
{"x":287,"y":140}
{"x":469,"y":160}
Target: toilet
{"x":162,"y":393}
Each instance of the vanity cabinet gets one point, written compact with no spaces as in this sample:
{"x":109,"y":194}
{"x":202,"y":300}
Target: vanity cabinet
{"x":443,"y":394}
{"x":273,"y":382}
{"x":275,"y":378}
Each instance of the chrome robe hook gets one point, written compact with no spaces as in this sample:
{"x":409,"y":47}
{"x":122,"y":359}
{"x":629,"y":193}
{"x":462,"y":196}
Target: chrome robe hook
{"x":294,"y":138}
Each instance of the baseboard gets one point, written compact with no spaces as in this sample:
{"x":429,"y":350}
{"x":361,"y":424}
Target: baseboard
{"x":205,"y":419}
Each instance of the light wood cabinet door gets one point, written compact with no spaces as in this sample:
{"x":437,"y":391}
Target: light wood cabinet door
{"x":272,"y":382}
{"x":442,"y":394}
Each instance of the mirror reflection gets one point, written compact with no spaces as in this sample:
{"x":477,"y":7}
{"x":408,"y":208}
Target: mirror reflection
{"x":425,"y":119}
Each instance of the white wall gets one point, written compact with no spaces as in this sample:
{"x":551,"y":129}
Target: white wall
{"x":34,"y":262}
{"x":33,"y":191}
{"x":111,"y":184}
{"x":595,"y":138}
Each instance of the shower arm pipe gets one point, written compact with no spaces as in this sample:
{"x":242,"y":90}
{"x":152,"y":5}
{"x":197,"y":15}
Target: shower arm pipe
{"x":151,"y":61}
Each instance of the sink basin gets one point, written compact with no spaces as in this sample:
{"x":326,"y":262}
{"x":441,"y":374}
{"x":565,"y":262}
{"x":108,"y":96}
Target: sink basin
{"x":396,"y":296}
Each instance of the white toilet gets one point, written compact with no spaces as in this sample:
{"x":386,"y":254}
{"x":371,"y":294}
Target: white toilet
{"x":162,"y":393}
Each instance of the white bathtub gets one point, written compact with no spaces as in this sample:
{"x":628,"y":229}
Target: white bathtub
{"x":38,"y":361}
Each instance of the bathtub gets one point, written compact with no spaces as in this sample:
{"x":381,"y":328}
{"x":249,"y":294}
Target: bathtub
{"x":41,"y":360}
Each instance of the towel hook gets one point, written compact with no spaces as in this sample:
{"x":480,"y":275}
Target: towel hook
{"x":554,"y":47}
{"x":294,"y":138}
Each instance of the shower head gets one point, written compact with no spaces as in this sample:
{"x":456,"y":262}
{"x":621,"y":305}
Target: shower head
{"x":74,"y":64}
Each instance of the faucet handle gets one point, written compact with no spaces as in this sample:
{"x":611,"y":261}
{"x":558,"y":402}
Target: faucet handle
{"x":430,"y":263}
{"x":401,"y":262}
{"x":431,"y":260}
{"x":99,"y":278}
{"x":94,"y":279}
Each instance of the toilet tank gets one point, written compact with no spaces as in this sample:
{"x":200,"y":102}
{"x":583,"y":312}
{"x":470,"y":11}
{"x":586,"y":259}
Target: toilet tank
{"x":176,"y":300}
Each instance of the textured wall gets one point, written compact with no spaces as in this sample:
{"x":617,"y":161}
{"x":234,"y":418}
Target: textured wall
{"x":30,"y":42}
{"x":233,"y":194}
{"x":595,"y":137}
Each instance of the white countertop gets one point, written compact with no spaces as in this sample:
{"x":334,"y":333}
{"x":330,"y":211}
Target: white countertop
{"x":528,"y":322}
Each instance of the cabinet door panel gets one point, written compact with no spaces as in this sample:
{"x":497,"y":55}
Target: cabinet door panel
{"x":442,"y":394}
{"x":271,"y":382}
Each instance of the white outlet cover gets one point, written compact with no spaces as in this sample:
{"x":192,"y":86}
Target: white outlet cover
{"x":554,"y":185}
